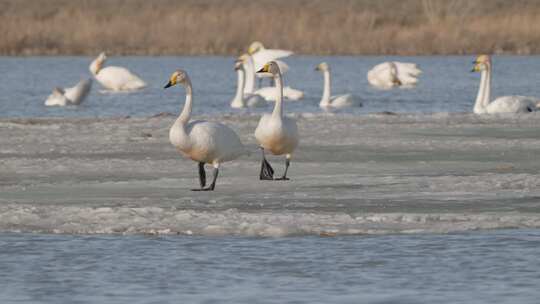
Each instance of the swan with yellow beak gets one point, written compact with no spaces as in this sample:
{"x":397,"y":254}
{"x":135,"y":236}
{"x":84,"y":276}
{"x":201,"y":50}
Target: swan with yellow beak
{"x":276,"y":132}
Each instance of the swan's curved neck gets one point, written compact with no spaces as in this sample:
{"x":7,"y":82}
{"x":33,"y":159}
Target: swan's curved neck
{"x":278,"y":107}
{"x":96,"y":66}
{"x":188,"y":105}
{"x":240,"y":85}
{"x":484,"y":91}
{"x":325,"y":100}
{"x":249,"y":69}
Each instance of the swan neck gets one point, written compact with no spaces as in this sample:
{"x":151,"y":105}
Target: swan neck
{"x":95,"y":66}
{"x":278,"y":107}
{"x":185,"y":115}
{"x":249,"y":69}
{"x":325,"y":100}
{"x":483,"y":92}
{"x":487,"y":93}
{"x":240,"y":85}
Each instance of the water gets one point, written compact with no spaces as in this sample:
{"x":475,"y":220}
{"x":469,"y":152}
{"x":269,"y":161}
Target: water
{"x":432,"y":205}
{"x":447,"y":85}
{"x":483,"y":267}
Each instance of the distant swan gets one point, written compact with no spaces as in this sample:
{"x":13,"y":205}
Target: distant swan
{"x":337,"y":101}
{"x":276,"y":132}
{"x":504,"y":104}
{"x":241,"y":99}
{"x":202,"y":141}
{"x":262,"y":55}
{"x":115,"y":78}
{"x":269,"y":93}
{"x":70,"y":96}
{"x":393,"y":74}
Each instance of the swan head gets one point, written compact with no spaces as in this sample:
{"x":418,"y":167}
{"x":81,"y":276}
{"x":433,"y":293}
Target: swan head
{"x":271,"y":67}
{"x":323,"y":67}
{"x":254,"y":47}
{"x":178,"y":77}
{"x":481,"y":63}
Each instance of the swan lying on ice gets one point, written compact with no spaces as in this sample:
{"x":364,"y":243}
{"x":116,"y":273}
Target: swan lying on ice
{"x":115,"y":78}
{"x":391,"y":74}
{"x":70,"y":96}
{"x":504,"y":104}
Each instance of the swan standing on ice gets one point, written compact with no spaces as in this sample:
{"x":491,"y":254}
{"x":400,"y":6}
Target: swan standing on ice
{"x":337,"y":101}
{"x":242,"y":100}
{"x":393,"y":74}
{"x":70,"y":96}
{"x":202,"y":141}
{"x":269,"y":93}
{"x":504,"y":104}
{"x":115,"y":78}
{"x":261,"y":55}
{"x":276,"y":132}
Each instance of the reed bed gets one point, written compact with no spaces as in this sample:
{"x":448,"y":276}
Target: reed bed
{"x":199,"y":27}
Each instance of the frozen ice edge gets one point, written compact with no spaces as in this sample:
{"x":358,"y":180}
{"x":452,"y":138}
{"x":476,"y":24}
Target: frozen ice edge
{"x":173,"y":221}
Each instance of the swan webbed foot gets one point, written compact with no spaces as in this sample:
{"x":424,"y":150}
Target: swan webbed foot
{"x":202,"y":175}
{"x":212,"y":185}
{"x":267,"y":172}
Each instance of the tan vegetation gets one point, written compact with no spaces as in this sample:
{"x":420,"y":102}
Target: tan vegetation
{"x":159,"y":27}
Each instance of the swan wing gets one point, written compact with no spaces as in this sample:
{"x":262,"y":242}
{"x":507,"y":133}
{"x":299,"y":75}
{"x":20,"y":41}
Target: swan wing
{"x":119,"y":79}
{"x":264,"y":56}
{"x":513,"y":104}
{"x":380,"y":76}
{"x":271,"y":93}
{"x":255,"y":101}
{"x":346,"y":100}
{"x":212,"y":142}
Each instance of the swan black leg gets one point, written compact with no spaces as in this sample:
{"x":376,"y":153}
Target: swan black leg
{"x":202,"y":175}
{"x":267,"y":173}
{"x":213,"y":184}
{"x":287,"y":164}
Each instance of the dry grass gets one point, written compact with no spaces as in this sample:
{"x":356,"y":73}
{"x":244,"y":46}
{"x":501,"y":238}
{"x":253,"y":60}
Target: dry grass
{"x":158,"y":27}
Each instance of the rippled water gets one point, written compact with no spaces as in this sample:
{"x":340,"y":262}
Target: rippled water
{"x":447,"y":85}
{"x":481,"y":267}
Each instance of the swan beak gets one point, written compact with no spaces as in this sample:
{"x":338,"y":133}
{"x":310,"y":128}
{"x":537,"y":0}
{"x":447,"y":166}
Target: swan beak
{"x":168,"y":85}
{"x":265,"y":69}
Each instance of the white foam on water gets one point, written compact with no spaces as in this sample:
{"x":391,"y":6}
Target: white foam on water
{"x":170,"y":220}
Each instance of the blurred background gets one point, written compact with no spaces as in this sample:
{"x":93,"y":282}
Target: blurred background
{"x":226,"y":27}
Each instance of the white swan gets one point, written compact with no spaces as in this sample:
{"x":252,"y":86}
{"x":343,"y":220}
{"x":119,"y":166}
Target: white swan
{"x":269,"y":93}
{"x":276,"y":132}
{"x":504,"y":104}
{"x":391,"y":74}
{"x":337,"y":101}
{"x":115,"y":78}
{"x":242,"y":100}
{"x":262,"y":55}
{"x":202,"y":141}
{"x":70,"y":96}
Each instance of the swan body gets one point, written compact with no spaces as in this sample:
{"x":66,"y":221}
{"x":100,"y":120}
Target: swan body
{"x":70,"y":96}
{"x":241,"y":99}
{"x":272,"y":93}
{"x":113,"y":77}
{"x":391,"y":74}
{"x":262,"y":55}
{"x":337,"y":101}
{"x":504,"y":104}
{"x":276,"y":132}
{"x":202,"y":141}
{"x":268,"y":93}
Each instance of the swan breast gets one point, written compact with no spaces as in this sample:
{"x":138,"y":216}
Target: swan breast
{"x":279,"y":136}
